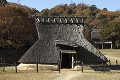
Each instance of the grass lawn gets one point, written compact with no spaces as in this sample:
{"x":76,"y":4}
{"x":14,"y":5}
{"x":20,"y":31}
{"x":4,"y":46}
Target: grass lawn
{"x":113,"y":52}
{"x":10,"y":74}
{"x":112,"y":55}
{"x":91,"y":75}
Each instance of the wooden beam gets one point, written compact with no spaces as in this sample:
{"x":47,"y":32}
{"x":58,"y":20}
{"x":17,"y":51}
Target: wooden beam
{"x":76,"y":62}
{"x":72,"y":61}
{"x":4,"y":66}
{"x":59,"y":59}
{"x":37,"y":65}
{"x":15,"y":67}
{"x":116,"y":62}
{"x":82,"y":66}
{"x":60,"y":17}
{"x":60,"y":23}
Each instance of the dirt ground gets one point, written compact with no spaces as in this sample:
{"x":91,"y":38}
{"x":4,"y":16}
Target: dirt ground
{"x":88,"y":75}
{"x":111,"y":54}
{"x":68,"y":75}
{"x":28,"y":75}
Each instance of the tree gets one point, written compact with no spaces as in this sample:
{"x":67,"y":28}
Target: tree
{"x":45,"y":12}
{"x":53,"y":12}
{"x":16,"y":26}
{"x":104,"y":9}
{"x":93,"y":7}
{"x":100,"y":16}
{"x":81,"y":6}
{"x":93,"y":10}
{"x":72,"y":6}
{"x":3,"y":2}
{"x":111,"y":31}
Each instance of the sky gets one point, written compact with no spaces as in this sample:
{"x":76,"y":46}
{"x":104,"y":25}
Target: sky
{"x":111,"y":5}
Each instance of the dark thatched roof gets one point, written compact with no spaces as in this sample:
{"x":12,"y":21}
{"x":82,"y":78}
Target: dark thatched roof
{"x":68,"y":37}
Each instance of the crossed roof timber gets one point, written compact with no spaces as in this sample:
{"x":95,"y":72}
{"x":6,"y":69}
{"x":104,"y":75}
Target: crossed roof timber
{"x":60,"y":19}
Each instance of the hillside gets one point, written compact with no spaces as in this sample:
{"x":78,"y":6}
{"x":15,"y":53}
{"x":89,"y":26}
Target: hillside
{"x":107,"y":21}
{"x":17,"y":27}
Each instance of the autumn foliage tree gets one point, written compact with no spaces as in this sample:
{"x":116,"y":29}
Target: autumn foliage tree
{"x":17,"y":28}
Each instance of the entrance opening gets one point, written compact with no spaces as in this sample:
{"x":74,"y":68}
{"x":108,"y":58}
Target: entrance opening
{"x":66,"y":61}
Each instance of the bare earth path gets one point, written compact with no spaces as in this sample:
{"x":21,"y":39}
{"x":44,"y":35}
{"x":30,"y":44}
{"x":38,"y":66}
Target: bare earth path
{"x":68,"y":75}
{"x":88,"y":75}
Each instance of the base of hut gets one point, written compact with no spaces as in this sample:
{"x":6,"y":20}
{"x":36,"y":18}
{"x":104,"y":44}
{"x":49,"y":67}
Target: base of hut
{"x":54,"y":67}
{"x":23,"y":66}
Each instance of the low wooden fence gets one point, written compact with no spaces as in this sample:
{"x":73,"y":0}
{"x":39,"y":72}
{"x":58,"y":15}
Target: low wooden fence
{"x":102,"y":67}
{"x":6,"y":64}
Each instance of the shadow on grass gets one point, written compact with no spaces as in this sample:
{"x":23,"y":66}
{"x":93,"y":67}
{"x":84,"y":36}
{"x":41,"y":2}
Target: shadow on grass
{"x":105,"y":67}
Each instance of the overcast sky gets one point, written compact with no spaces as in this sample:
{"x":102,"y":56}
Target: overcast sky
{"x":111,"y":5}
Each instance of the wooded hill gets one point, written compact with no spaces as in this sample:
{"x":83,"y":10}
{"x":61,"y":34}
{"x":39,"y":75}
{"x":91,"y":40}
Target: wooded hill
{"x":107,"y":21}
{"x":17,"y":28}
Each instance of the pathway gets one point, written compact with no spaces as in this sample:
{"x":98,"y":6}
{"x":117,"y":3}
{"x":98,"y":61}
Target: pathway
{"x":68,"y":75}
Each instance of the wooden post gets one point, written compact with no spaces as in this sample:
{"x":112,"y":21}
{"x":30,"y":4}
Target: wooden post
{"x":102,"y":46}
{"x":111,"y":45}
{"x":102,"y":66}
{"x":59,"y":59}
{"x":76,"y":62}
{"x":15,"y":67}
{"x":116,"y":62}
{"x":37,"y":65}
{"x":72,"y":61}
{"x":59,"y":66}
{"x":82,"y":66}
{"x":4,"y":66}
{"x":109,"y":62}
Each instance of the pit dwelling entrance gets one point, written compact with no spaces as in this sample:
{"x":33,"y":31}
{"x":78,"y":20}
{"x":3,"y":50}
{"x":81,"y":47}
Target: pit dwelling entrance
{"x":66,"y":61}
{"x":68,"y":58}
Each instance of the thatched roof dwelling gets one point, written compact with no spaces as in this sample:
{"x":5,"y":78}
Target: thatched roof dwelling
{"x":64,"y":34}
